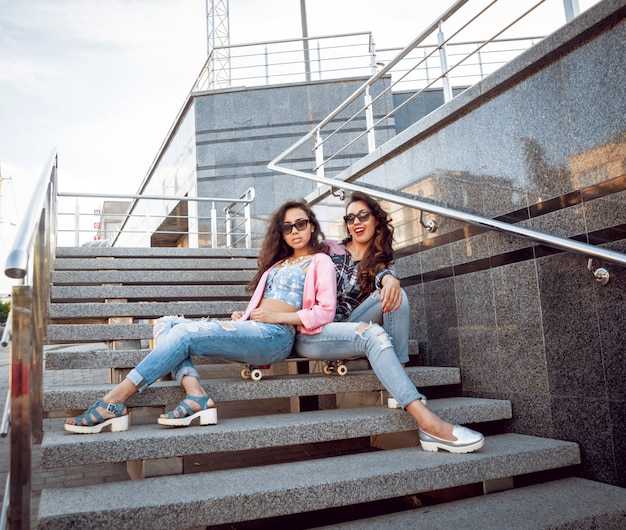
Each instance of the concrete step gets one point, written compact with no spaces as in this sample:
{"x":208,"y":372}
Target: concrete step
{"x":156,"y":252}
{"x":572,"y":503}
{"x":84,"y":357}
{"x":69,"y":333}
{"x":153,"y":263}
{"x":222,"y":497}
{"x":191,"y":309}
{"x":152,"y":277}
{"x":60,"y":448}
{"x":149,"y":292}
{"x":164,"y":393}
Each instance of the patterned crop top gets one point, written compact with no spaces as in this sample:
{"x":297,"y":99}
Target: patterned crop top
{"x":286,"y":284}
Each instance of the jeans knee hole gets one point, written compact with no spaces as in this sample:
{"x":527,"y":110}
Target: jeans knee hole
{"x":226,"y":325}
{"x":384,"y":340}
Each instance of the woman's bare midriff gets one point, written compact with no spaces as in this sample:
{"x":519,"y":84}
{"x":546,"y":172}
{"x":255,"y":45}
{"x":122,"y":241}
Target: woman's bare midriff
{"x":277,"y":305}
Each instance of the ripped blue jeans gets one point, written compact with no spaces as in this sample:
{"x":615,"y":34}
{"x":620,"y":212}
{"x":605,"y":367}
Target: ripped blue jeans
{"x":348,"y":340}
{"x":395,"y":323}
{"x":180,"y":338}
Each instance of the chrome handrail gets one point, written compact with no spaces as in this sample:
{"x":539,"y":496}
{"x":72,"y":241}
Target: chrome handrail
{"x":459,"y":215}
{"x":550,"y":240}
{"x":4,"y":515}
{"x":243,"y":200}
{"x":29,"y":261}
{"x":16,"y":264}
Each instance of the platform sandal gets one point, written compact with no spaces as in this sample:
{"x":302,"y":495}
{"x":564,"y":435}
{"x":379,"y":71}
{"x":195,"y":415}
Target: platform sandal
{"x":208,"y":416}
{"x":117,"y":424}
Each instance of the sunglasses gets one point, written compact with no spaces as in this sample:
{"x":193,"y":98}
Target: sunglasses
{"x":300,"y":224}
{"x":362,"y":216}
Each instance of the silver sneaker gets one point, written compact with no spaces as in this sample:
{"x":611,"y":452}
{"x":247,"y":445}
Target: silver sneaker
{"x":467,"y":441}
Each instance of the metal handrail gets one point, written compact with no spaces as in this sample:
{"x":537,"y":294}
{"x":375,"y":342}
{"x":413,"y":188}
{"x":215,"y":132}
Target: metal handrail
{"x":459,"y":215}
{"x":30,"y":261}
{"x":243,"y":201}
{"x":17,"y":261}
{"x":209,"y":77}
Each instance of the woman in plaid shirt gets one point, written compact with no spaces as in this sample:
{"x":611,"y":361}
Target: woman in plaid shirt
{"x":368,"y":289}
{"x":369,"y":294}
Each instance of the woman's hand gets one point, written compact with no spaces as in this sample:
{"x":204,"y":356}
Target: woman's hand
{"x":236,"y":315}
{"x":261,"y":314}
{"x":390,"y":294}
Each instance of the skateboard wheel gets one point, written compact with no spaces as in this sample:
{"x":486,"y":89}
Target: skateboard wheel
{"x":327,"y":369}
{"x":245,"y":373}
{"x":256,"y":374}
{"x":342,"y":369}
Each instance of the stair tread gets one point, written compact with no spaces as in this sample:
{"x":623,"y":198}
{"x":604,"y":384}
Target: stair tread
{"x":191,"y":309}
{"x":148,"y":292}
{"x":60,"y":448}
{"x":567,"y":503}
{"x":235,"y":389}
{"x":154,"y":263}
{"x":151,"y":252}
{"x":220,"y":497}
{"x":156,"y":277}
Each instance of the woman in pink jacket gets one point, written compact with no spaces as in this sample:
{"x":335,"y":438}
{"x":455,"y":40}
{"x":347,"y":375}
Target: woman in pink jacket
{"x":294,"y":288}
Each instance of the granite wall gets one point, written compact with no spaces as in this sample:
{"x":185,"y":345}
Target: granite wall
{"x":542,"y":143}
{"x":240,"y":130}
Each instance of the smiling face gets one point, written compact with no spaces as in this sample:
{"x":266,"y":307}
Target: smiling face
{"x":362,"y":230}
{"x":296,"y":238}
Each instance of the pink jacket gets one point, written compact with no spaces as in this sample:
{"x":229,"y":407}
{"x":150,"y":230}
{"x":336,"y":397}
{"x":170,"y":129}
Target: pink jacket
{"x":320,"y":295}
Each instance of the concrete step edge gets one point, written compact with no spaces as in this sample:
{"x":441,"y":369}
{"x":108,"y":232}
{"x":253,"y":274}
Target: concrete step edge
{"x":568,"y":503}
{"x":156,"y":277}
{"x":191,"y":309}
{"x":163,"y":393}
{"x":76,"y":293}
{"x":60,"y":448}
{"x":152,"y":263}
{"x":72,"y":252}
{"x":222,"y":497}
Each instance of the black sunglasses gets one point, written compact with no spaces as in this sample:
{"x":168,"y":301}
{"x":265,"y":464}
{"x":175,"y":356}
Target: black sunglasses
{"x":362,"y":216}
{"x":300,"y":224}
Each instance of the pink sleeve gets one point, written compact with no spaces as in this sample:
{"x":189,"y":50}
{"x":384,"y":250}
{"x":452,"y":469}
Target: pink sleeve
{"x":335,"y":247}
{"x":320,"y":295}
{"x":256,"y":296}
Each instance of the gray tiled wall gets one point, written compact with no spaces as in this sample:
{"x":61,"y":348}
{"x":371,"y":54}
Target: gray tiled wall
{"x":529,"y":324}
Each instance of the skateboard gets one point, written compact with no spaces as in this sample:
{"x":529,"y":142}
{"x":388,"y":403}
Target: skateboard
{"x":255,"y":372}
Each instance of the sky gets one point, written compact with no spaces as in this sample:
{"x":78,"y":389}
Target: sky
{"x":102,"y":81}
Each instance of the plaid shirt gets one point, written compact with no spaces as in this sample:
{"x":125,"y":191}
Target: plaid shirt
{"x":349,"y":294}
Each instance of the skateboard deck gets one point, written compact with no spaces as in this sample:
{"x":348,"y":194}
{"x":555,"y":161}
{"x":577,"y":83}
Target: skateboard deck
{"x":255,"y":371}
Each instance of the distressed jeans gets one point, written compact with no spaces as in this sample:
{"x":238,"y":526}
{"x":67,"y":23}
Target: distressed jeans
{"x":342,"y":340}
{"x":243,"y":341}
{"x":395,"y":323}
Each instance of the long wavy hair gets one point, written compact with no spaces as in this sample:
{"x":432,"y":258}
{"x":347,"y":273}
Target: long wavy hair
{"x":380,"y":252}
{"x":274,"y":247}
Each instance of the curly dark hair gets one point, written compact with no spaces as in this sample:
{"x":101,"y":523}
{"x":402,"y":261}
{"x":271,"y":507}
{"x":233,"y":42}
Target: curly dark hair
{"x":380,"y":255}
{"x":274,"y":247}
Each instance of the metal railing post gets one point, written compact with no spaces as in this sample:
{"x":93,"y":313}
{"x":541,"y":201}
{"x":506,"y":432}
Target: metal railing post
{"x":213,"y":225}
{"x":369,"y":121}
{"x":229,"y":229}
{"x":319,"y":154}
{"x":76,"y":224}
{"x":572,"y":9}
{"x":443,"y":58}
{"x":21,"y":419}
{"x":248,"y":225}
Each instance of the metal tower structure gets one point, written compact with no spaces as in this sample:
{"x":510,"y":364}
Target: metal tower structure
{"x":218,"y":43}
